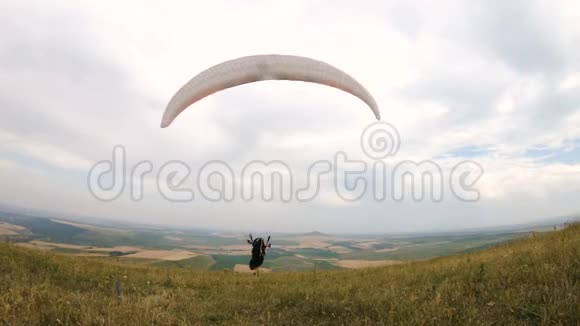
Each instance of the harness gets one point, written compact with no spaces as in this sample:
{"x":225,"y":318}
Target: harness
{"x":258,"y":251}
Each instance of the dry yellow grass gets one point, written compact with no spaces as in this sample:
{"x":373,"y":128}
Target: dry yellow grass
{"x":530,"y":281}
{"x":180,"y":255}
{"x":51,"y":245}
{"x":233,"y":250}
{"x":307,"y":242}
{"x":78,"y":225}
{"x":89,"y":254}
{"x":33,"y":246}
{"x":170,"y":255}
{"x":44,"y":245}
{"x":91,"y":227}
{"x":10,"y":229}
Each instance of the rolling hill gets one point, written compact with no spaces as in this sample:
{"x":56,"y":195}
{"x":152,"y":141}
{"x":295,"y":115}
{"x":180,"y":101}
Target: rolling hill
{"x":316,"y":234}
{"x":532,"y":280}
{"x":163,"y":246}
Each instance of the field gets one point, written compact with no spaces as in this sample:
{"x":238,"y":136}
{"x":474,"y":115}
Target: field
{"x":533,"y":280}
{"x":185,"y":248}
{"x":10,"y":229}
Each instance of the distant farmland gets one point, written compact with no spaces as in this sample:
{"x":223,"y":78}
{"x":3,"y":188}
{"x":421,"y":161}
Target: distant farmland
{"x":533,"y":280}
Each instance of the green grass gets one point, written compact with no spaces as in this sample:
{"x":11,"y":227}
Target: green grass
{"x":289,"y":263}
{"x":316,"y":253}
{"x":228,"y":261}
{"x":68,"y":250}
{"x":432,"y":247}
{"x":48,"y":230}
{"x":45,"y":229}
{"x":534,"y":280}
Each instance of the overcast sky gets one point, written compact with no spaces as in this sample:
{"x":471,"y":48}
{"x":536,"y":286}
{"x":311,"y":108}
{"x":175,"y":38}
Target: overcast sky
{"x":497,"y":82}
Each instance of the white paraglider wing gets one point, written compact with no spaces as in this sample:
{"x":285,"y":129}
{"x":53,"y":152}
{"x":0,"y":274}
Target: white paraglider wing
{"x":263,"y":67}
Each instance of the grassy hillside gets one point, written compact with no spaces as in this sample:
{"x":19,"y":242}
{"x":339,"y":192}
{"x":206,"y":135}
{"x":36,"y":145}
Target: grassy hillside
{"x":535,"y":280}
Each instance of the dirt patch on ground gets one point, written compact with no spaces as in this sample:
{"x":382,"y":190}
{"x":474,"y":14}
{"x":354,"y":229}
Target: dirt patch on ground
{"x":239,"y":268}
{"x":365,"y":263}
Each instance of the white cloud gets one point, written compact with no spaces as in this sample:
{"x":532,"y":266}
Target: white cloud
{"x":79,"y":78}
{"x":43,"y":153}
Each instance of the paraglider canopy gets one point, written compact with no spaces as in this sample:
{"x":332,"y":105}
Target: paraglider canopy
{"x":255,"y":68}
